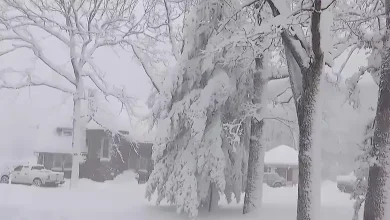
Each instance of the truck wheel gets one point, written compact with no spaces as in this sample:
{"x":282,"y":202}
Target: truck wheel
{"x":4,"y":179}
{"x":37,"y":182}
{"x":277,"y":185}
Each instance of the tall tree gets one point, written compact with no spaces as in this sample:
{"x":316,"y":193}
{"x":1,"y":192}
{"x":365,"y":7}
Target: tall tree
{"x":254,"y":186}
{"x":305,"y":65}
{"x":81,"y":26}
{"x":188,"y":155}
{"x":377,"y":198}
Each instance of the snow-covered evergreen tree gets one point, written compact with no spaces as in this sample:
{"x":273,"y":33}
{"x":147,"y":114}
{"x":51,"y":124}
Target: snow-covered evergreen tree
{"x":189,"y":160}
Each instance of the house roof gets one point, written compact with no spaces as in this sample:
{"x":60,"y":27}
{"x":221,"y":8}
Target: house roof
{"x":281,"y":155}
{"x":55,"y":144}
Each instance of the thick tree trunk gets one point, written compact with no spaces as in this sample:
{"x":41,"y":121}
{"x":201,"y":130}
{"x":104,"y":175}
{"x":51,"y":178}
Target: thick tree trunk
{"x":378,"y":197}
{"x":254,"y":186}
{"x":309,"y":117}
{"x":306,"y":83}
{"x":309,"y":121}
{"x":79,"y":133}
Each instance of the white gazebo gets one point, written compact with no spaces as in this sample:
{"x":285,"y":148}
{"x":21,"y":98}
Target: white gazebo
{"x":284,"y":161}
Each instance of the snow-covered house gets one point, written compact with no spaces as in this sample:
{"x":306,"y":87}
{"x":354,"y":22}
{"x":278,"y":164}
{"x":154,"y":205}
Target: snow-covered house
{"x":284,"y":161}
{"x":106,"y":155}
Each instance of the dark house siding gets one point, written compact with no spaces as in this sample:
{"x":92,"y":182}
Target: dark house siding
{"x":123,"y":155}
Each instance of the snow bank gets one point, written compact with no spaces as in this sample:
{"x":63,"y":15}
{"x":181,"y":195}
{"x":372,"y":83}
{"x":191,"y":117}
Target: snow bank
{"x":347,"y":178}
{"x":330,"y":195}
{"x":123,"y":199}
{"x":124,"y":178}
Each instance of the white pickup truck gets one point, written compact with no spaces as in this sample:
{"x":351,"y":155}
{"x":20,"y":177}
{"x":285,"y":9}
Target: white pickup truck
{"x":32,"y":175}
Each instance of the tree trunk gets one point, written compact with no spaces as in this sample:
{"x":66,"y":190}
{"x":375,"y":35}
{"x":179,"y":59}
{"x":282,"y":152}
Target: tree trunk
{"x":377,"y":198}
{"x":305,"y":83}
{"x":213,"y":197}
{"x":309,"y":117}
{"x":79,"y":133}
{"x":309,"y":121}
{"x":254,"y":186}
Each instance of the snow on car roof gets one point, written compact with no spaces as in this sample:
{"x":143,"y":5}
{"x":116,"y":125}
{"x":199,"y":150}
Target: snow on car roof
{"x":281,"y":155}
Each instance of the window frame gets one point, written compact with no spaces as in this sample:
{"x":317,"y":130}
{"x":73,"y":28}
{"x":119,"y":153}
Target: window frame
{"x":102,"y":145}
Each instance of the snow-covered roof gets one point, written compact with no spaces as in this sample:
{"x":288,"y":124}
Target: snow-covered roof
{"x":56,"y":144}
{"x":281,"y":155}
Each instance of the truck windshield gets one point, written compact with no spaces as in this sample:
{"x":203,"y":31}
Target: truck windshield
{"x":37,"y":168}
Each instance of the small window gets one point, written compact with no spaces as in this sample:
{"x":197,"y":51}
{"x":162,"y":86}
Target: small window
{"x":18,"y":168}
{"x":105,"y":149}
{"x":67,"y":133}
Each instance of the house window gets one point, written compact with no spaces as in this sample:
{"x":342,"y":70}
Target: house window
{"x":105,"y":149}
{"x":68,"y":161}
{"x":57,"y":161}
{"x":67,"y":132}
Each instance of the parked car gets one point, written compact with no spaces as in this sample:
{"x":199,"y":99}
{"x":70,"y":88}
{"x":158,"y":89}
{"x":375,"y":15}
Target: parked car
{"x":274,"y":180}
{"x":347,"y":183}
{"x":36,"y":175}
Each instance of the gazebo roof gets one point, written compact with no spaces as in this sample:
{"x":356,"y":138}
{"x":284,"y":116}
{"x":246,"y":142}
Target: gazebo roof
{"x":282,"y":155}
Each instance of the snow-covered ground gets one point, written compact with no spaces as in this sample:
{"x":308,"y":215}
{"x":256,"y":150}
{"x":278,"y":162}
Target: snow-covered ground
{"x":124,"y":199}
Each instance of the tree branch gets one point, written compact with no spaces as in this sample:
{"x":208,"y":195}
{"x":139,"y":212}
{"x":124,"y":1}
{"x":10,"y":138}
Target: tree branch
{"x":175,"y":50}
{"x":30,"y":81}
{"x":138,"y":53}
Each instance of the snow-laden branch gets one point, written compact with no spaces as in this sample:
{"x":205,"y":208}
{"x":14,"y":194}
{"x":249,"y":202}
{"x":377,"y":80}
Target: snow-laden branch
{"x":30,"y":80}
{"x":32,"y":44}
{"x":146,"y":66}
{"x":352,"y":83}
{"x":338,"y":73}
{"x":8,"y":51}
{"x":29,"y":17}
{"x":175,"y":49}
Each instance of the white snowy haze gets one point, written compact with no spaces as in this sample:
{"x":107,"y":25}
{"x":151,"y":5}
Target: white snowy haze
{"x":30,"y":115}
{"x":342,"y":125}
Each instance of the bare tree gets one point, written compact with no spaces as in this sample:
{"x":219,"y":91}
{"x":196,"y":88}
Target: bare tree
{"x":83,"y":26}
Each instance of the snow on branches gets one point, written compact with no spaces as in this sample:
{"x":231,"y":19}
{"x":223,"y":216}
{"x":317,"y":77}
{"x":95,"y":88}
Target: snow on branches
{"x":188,"y":151}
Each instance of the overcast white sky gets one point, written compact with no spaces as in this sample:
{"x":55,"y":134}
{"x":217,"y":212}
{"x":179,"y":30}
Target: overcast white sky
{"x":29,"y":115}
